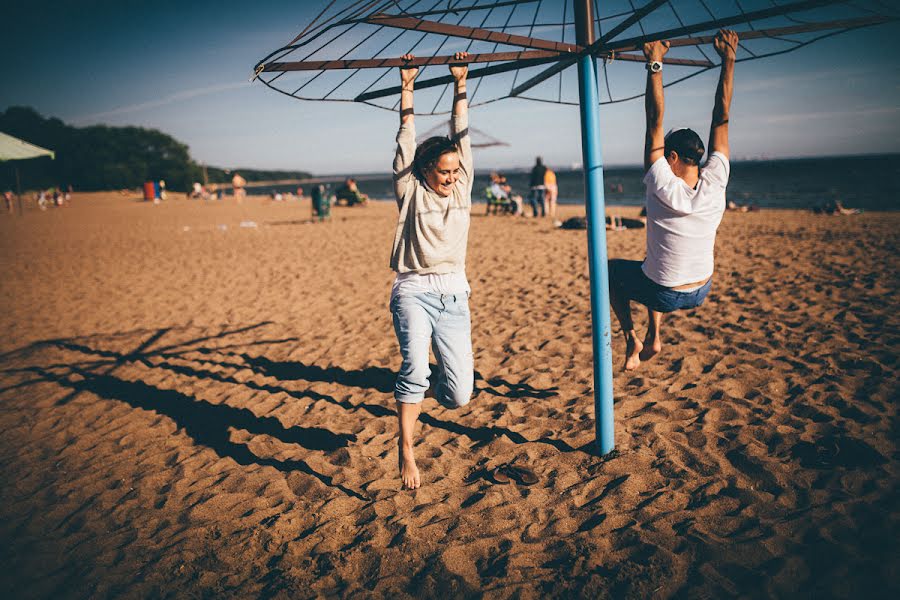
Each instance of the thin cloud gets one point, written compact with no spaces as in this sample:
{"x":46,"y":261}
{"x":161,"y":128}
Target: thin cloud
{"x":758,"y":83}
{"x":794,"y":80}
{"x":166,"y":100}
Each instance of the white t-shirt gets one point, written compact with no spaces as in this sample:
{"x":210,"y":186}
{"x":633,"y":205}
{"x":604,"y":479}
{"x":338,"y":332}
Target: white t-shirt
{"x":682,"y":222}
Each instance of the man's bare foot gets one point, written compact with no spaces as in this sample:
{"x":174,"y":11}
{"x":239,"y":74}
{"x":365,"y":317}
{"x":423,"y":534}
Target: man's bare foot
{"x":651,"y":348}
{"x":633,"y":350}
{"x":409,"y":472}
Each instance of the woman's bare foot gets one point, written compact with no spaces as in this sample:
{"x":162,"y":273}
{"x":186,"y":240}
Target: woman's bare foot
{"x":633,"y":349}
{"x":652,"y":347}
{"x":409,"y":472}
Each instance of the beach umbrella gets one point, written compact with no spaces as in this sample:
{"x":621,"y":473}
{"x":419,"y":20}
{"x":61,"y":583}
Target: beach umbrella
{"x":14,"y":149}
{"x":526,"y":48}
{"x":480,"y":139}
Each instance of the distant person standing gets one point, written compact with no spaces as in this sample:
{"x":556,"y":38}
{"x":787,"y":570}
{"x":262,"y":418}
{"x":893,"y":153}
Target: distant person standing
{"x":237,"y":184}
{"x":685,"y":204}
{"x":551,"y":194}
{"x":8,"y":197}
{"x":321,"y":205}
{"x":536,"y":183}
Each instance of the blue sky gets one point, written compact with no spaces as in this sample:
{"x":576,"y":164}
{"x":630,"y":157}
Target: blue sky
{"x":184,"y":68}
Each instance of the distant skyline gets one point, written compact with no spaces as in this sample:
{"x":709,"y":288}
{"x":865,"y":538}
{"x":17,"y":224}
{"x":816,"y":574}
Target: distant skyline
{"x":184,"y":68}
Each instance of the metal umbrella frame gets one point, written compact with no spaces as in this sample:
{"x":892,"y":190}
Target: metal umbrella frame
{"x":345,"y":54}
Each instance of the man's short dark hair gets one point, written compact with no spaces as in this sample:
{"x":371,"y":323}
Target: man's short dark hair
{"x":429,"y":152}
{"x":687,"y":144}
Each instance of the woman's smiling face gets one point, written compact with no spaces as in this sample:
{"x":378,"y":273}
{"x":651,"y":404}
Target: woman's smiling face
{"x":444,"y":175}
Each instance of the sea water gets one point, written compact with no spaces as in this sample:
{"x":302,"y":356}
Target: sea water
{"x":868,"y":182}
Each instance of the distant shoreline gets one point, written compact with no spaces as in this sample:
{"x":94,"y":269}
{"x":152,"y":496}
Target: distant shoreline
{"x":867,"y":182}
{"x":331,"y":177}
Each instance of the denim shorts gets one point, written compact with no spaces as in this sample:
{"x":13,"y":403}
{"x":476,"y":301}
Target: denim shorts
{"x":630,"y":282}
{"x":441,"y":322}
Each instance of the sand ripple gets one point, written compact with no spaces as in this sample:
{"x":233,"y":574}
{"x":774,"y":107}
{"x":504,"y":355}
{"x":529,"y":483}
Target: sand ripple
{"x":189,"y":410}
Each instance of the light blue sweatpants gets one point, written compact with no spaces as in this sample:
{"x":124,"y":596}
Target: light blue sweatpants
{"x":441,"y":321}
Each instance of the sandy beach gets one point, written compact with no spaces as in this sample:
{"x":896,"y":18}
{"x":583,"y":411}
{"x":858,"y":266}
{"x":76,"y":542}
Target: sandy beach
{"x":197,"y":402}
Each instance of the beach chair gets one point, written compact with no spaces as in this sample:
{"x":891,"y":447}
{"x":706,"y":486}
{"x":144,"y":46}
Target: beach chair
{"x":495,"y":203}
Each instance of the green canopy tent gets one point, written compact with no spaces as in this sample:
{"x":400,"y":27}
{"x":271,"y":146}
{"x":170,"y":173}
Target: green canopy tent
{"x":12,"y":148}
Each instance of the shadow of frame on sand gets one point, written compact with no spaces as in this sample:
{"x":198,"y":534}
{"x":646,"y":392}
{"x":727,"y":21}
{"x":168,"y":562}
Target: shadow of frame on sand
{"x":208,"y":424}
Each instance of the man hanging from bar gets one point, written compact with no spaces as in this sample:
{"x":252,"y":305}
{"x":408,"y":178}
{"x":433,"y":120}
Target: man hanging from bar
{"x":685,"y":204}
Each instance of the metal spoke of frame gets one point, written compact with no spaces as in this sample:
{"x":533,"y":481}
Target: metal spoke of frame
{"x":740,"y":8}
{"x":473,"y":7}
{"x":639,"y":24}
{"x":522,"y":60}
{"x":317,"y":75}
{"x":765,"y":13}
{"x":532,"y":57}
{"x":286,"y":50}
{"x":525,"y":25}
{"x":563,"y":37}
{"x":678,"y":62}
{"x":319,"y":16}
{"x":475,"y":33}
{"x":681,"y":23}
{"x":315,"y":32}
{"x":763,"y":33}
{"x":635,"y":17}
{"x":377,"y":52}
{"x":525,"y":59}
{"x":767,"y":55}
{"x":530,"y":31}
{"x":378,"y":63}
{"x":544,"y":75}
{"x":386,"y":71}
{"x":365,"y":39}
{"x":496,"y":45}
{"x":408,"y":51}
{"x":468,"y":47}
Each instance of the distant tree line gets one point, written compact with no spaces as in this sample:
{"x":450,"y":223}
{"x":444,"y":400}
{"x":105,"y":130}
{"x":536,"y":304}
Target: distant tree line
{"x":107,"y":158}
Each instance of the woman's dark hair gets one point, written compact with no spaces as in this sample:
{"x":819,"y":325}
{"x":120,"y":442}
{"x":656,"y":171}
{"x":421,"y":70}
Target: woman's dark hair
{"x":687,"y":144}
{"x":429,"y":152}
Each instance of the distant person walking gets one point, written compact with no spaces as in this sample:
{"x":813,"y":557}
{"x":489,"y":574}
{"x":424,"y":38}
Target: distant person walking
{"x":430,"y":295}
{"x":538,"y":187}
{"x":237,"y":185}
{"x":685,"y":204}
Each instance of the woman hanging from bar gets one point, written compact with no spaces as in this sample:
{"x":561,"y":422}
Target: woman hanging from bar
{"x":430,"y":296}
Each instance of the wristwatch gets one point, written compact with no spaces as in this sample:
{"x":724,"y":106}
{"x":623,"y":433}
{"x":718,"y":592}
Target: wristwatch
{"x":654,"y":66}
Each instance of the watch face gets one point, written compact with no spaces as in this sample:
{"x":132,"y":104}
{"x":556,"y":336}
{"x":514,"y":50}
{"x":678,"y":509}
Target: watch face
{"x":656,"y":66}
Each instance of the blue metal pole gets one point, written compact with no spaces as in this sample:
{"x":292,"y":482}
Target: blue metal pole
{"x":596,"y":220}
